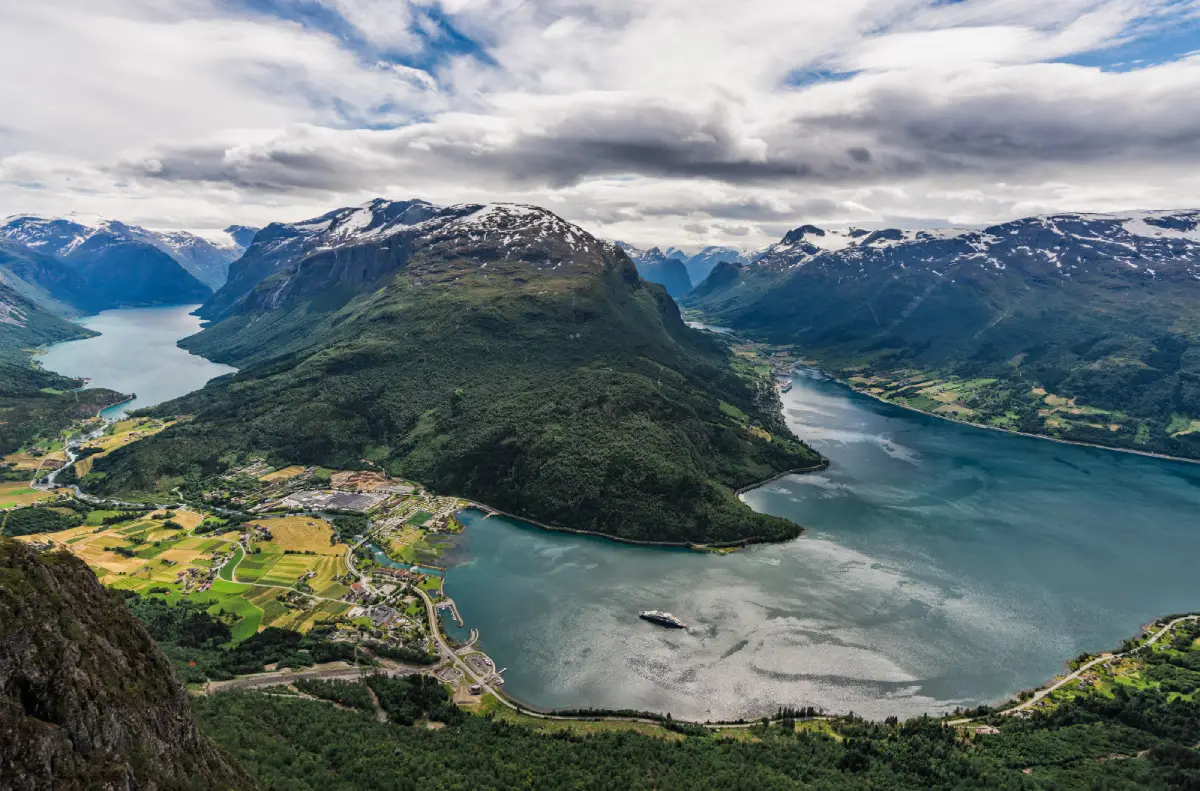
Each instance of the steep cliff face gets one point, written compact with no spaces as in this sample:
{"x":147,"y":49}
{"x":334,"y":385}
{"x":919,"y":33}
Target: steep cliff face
{"x":87,"y":700}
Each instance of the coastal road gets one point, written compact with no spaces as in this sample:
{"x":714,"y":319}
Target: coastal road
{"x":473,"y":677}
{"x":1100,"y":660}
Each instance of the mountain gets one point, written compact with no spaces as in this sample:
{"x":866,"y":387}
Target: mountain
{"x":1078,"y":326}
{"x":241,"y":236}
{"x":497,"y":352}
{"x":654,"y":265}
{"x":87,"y":700}
{"x":700,"y":265}
{"x":124,"y":265}
{"x":277,"y":246}
{"x":207,"y":260}
{"x":46,"y":280}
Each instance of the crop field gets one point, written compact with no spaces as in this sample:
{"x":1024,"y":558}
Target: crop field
{"x":256,"y":565}
{"x":19,"y":493}
{"x":285,"y":474}
{"x":161,"y":554}
{"x":303,"y":534}
{"x":287,"y":570}
{"x":122,"y":433}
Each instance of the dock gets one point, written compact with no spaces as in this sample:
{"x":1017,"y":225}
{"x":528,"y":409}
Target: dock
{"x":449,"y":604}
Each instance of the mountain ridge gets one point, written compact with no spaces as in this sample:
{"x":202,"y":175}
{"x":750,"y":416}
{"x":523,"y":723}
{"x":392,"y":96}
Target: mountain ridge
{"x":493,"y":351}
{"x":1095,"y":307}
{"x":75,"y":238}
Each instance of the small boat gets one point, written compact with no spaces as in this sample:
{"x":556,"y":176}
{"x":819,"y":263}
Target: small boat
{"x":662,"y":619}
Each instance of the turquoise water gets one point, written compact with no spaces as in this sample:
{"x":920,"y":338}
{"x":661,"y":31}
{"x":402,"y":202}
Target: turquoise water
{"x":944,"y":566}
{"x":136,"y":353}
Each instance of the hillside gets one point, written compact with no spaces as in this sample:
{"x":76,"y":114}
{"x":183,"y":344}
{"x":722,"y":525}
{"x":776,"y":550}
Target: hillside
{"x":1082,"y":327}
{"x":494,"y":352}
{"x":87,"y":700}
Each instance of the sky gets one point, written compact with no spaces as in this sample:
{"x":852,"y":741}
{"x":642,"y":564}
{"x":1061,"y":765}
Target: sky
{"x":669,"y":122}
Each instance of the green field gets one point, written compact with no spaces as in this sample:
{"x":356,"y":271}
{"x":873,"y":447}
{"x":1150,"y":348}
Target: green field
{"x":419,"y":518}
{"x":226,"y":572}
{"x":230,"y":598}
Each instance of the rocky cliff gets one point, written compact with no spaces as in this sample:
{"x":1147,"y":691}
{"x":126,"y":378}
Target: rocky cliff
{"x":87,"y":700}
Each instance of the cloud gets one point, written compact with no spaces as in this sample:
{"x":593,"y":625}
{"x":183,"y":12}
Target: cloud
{"x":680,"y":121}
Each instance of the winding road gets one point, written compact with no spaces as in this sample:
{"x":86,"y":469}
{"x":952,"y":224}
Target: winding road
{"x":1100,"y":660}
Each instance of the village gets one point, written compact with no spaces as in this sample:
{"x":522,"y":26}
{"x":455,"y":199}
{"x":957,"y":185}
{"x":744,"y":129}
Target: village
{"x":354,"y":553}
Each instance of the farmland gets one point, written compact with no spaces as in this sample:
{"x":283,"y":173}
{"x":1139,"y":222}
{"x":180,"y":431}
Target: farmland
{"x":16,"y":494}
{"x":161,"y":553}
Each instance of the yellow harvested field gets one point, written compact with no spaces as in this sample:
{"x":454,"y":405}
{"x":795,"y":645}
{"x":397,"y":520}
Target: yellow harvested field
{"x":287,"y":473}
{"x":61,"y":537}
{"x":126,"y":432}
{"x":109,"y":561}
{"x":23,"y":461}
{"x":181,"y":556}
{"x":302,"y":534}
{"x":18,"y":493}
{"x":189,"y":520}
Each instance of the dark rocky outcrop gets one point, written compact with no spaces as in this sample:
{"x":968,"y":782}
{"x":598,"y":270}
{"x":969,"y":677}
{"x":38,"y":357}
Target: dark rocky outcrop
{"x":87,"y":700}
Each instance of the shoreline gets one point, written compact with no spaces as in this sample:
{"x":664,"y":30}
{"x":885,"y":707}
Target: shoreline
{"x":1048,"y":438}
{"x":733,"y":545}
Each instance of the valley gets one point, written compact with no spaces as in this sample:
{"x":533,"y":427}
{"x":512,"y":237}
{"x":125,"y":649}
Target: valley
{"x":1074,"y":326}
{"x":324,"y":509}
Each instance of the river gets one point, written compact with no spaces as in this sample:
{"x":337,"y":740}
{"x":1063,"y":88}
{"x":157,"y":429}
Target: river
{"x":944,"y":566}
{"x":136,"y":353}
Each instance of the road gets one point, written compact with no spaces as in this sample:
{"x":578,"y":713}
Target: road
{"x":232,"y":563}
{"x":1100,"y":660}
{"x":281,"y":678}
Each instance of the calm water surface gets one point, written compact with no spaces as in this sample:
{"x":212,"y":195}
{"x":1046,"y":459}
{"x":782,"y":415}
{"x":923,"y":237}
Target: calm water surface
{"x":136,"y":353}
{"x":944,"y":566}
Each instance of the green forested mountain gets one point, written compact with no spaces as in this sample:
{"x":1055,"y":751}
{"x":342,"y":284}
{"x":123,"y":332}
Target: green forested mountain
{"x":1100,"y":309}
{"x":494,"y":352}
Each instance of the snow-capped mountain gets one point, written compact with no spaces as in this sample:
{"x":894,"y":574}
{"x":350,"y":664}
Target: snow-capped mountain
{"x":360,"y":244}
{"x":700,"y":264}
{"x":666,"y":269}
{"x":697,"y":266}
{"x":121,"y":265}
{"x":73,"y":235}
{"x":1153,"y":243}
{"x":1100,"y":307}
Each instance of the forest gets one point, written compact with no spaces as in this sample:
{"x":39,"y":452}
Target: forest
{"x":579,"y":402}
{"x":1138,"y":741}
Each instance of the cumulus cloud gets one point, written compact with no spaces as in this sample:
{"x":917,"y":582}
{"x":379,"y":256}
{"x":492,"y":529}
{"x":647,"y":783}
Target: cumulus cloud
{"x":679,"y":121}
